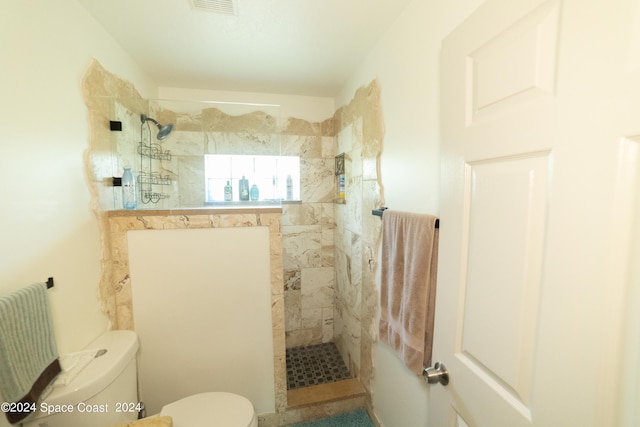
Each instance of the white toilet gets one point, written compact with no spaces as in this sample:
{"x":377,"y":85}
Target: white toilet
{"x":220,"y":409}
{"x":105,"y":393}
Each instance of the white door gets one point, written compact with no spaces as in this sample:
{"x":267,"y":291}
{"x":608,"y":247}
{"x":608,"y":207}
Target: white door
{"x":540,"y":117}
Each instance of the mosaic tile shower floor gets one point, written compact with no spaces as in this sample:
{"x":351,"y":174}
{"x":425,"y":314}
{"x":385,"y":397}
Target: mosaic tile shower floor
{"x":315,"y":364}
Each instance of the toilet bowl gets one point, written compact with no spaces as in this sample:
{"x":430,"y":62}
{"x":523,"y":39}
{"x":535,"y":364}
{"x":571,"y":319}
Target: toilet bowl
{"x":213,"y":408}
{"x":105,"y":393}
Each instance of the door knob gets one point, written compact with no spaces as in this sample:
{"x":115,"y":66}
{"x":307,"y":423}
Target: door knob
{"x":436,"y":374}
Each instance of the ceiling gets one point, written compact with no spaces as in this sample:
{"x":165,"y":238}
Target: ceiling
{"x":302,"y":47}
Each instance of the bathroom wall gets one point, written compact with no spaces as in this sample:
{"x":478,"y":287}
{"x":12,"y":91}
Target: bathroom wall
{"x":219,"y":286}
{"x":405,"y":64}
{"x":47,"y":226}
{"x":46,"y":223}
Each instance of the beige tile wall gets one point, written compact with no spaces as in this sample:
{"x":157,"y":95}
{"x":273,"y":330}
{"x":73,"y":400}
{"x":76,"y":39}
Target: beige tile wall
{"x":359,"y":135}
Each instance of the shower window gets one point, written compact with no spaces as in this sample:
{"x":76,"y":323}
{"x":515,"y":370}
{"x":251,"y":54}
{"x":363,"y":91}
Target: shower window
{"x":276,"y":178}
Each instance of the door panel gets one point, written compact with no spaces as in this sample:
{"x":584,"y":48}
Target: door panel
{"x":515,"y":65}
{"x":535,"y":254}
{"x":507,"y":200}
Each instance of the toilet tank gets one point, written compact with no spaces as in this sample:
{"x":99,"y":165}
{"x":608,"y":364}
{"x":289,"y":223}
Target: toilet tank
{"x":104,"y":393}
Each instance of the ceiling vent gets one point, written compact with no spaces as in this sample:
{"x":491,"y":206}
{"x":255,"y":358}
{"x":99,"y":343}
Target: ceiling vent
{"x":226,"y":7}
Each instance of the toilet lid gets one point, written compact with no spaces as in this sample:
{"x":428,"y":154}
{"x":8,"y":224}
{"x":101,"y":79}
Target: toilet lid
{"x":213,"y":408}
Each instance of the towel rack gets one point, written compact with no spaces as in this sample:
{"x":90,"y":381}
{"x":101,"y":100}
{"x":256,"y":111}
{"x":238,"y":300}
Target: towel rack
{"x":380,"y":212}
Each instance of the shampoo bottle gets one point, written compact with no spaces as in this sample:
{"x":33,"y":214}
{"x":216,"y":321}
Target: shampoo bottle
{"x":254,"y":193}
{"x":289,"y":188}
{"x":228,"y":192}
{"x":244,"y":188}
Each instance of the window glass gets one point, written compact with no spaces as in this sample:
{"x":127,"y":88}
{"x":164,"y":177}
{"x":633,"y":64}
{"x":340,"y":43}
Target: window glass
{"x":270,"y":178}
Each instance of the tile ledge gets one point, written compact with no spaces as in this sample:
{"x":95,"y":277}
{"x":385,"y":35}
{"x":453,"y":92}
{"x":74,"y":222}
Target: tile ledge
{"x":323,"y":393}
{"x":196,"y":211}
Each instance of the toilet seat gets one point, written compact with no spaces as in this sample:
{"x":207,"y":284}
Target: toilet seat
{"x":213,"y":408}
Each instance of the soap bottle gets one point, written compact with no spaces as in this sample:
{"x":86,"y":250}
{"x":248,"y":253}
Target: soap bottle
{"x":128,"y":189}
{"x":254,"y":193}
{"x":289,"y":188}
{"x":244,"y":189}
{"x":228,"y":192}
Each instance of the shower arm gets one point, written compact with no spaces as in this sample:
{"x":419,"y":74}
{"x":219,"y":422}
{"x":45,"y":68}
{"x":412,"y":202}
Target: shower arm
{"x":144,"y":118}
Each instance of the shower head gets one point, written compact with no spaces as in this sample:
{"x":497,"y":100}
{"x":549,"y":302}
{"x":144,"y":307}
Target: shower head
{"x":163,"y":130}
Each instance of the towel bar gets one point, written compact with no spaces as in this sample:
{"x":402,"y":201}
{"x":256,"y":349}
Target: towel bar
{"x":380,"y":212}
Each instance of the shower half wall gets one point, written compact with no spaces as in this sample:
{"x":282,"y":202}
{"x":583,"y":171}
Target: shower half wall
{"x":211,"y":325}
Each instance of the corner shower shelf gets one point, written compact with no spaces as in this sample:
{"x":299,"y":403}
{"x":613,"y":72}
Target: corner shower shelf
{"x":148,"y":178}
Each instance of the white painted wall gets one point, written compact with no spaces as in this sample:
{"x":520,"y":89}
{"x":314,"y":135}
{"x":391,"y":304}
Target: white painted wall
{"x":202,"y":310}
{"x":405,"y":62}
{"x":46,"y":224}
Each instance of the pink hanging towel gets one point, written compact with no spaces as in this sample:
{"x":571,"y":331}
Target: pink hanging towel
{"x":408,"y":286}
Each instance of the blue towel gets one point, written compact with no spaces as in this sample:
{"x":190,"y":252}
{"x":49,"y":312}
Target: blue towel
{"x":28,"y":352}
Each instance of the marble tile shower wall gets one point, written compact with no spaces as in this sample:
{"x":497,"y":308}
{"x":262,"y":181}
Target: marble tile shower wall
{"x":307,"y":240}
{"x":307,"y":226}
{"x":323,"y":272}
{"x":357,"y":235}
